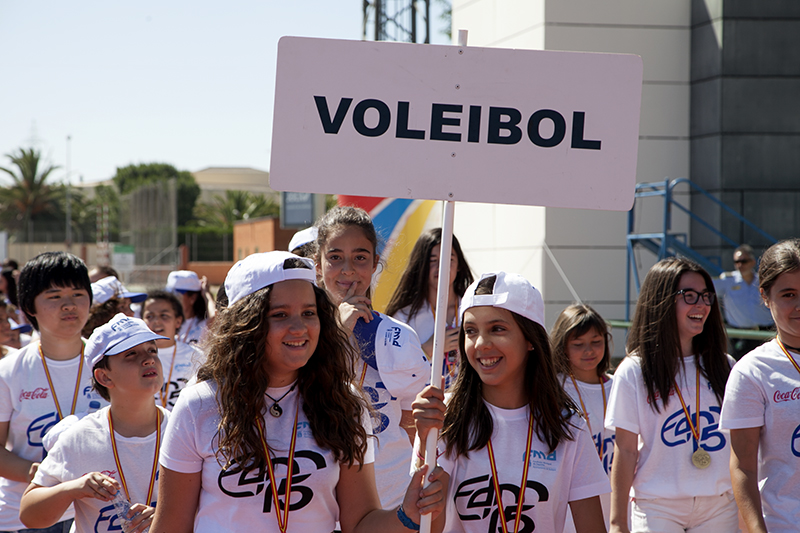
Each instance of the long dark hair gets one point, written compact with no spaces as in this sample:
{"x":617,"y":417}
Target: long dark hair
{"x":236,"y":362}
{"x":413,"y":287}
{"x":343,"y":216}
{"x":575,"y":321}
{"x":468,"y":423}
{"x":654,"y":337}
{"x":11,"y":286}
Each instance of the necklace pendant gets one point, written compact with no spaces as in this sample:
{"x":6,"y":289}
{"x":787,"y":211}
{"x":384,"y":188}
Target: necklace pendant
{"x":701,"y":459}
{"x":275,"y":410}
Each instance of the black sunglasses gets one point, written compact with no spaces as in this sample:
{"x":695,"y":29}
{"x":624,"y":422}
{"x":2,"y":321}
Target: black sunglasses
{"x":690,"y":296}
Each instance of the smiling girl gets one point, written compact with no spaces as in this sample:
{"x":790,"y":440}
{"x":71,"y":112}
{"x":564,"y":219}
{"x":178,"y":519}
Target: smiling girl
{"x":760,"y":407}
{"x":670,"y":454}
{"x":581,"y":348}
{"x":508,"y":416}
{"x":272,"y":436}
{"x":393,"y":368}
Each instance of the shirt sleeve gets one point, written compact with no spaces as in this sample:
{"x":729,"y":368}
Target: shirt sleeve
{"x":179,"y":450}
{"x":622,"y":411}
{"x":403,"y":366}
{"x":745,"y":403}
{"x":588,"y":477}
{"x":51,"y":471}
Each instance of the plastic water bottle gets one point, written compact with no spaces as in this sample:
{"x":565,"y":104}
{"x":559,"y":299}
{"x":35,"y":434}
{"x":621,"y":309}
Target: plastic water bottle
{"x":94,"y":405}
{"x":122,"y":506}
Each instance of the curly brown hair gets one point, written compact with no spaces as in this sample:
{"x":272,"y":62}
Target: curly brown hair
{"x":236,"y":356}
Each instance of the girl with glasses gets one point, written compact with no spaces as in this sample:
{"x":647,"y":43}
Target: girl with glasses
{"x":670,"y":457}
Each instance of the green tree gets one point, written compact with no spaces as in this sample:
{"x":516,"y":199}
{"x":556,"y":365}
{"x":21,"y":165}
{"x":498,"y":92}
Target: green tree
{"x":131,"y":177}
{"x":223,"y":211}
{"x":30,"y":197}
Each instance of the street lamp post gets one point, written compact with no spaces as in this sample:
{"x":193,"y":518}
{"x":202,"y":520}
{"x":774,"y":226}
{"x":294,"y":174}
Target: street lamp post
{"x":69,"y":201}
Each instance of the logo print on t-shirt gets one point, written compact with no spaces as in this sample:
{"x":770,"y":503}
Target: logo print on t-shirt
{"x":239,"y":484}
{"x":475,"y":499}
{"x":676,"y":430}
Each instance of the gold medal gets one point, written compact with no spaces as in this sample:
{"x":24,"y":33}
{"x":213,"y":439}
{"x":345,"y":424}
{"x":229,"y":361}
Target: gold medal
{"x":701,"y":459}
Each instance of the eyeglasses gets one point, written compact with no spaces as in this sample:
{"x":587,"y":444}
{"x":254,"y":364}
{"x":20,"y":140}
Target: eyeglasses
{"x":690,"y":296}
{"x":741,"y":261}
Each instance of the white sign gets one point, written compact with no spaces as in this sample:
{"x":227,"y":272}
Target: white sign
{"x":472,"y":124}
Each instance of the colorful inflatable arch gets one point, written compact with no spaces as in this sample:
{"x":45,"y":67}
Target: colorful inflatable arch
{"x":399,"y":223}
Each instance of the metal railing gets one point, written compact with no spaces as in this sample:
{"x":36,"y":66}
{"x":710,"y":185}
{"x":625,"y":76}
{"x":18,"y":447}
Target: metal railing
{"x":666,"y":244}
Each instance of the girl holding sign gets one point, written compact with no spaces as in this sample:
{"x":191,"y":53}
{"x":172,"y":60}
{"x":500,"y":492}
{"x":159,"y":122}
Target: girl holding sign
{"x":760,"y":406}
{"x":509,"y":416}
{"x":272,"y":437}
{"x":393,"y":368}
{"x":580,"y":342}
{"x":670,"y":453}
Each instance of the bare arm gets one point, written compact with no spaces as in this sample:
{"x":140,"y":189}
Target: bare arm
{"x":626,"y":455}
{"x":744,"y":476}
{"x":42,"y":507}
{"x":407,"y":423}
{"x":178,"y":497}
{"x":360,"y":508}
{"x":211,"y":304}
{"x":588,"y":515}
{"x":12,"y":466}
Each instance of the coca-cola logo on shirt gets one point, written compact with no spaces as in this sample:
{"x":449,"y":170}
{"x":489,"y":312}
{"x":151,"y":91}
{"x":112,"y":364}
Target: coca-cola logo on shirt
{"x":37,"y":393}
{"x":787,"y":396}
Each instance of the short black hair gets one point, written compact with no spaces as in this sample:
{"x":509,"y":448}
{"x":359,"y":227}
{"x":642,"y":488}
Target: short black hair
{"x":50,"y":269}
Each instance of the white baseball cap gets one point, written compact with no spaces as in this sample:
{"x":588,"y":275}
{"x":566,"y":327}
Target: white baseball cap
{"x":257,"y":271}
{"x":105,"y":289}
{"x":304,"y":236}
{"x":511,"y":292}
{"x":120,"y":334}
{"x":183,"y":281}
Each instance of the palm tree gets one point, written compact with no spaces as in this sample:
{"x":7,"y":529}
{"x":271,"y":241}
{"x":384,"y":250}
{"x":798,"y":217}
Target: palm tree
{"x":222,"y":212}
{"x":30,"y":195}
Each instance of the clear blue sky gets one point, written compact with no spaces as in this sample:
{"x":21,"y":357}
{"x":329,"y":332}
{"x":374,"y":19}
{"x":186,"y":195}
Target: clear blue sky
{"x":188,"y":83}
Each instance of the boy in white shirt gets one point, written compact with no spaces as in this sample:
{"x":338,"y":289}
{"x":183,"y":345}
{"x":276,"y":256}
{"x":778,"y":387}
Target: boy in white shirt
{"x":115,"y":449}
{"x":45,"y":381}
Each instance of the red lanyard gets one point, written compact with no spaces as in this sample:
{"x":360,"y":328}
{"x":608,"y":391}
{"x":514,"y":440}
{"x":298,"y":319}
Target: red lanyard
{"x":53,"y":389}
{"x":586,"y":413}
{"x":522,"y":485}
{"x":165,"y":390}
{"x":283,"y":522}
{"x":695,"y":428}
{"x":155,"y":458}
{"x":794,"y":363}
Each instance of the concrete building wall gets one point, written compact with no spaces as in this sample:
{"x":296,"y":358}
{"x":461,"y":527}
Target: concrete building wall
{"x":745,"y":133}
{"x":588,"y":245}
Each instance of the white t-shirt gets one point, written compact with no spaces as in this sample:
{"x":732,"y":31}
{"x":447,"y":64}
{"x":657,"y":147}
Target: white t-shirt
{"x":764,"y":391}
{"x":187,"y":361}
{"x":396,"y":371}
{"x":666,"y":445}
{"x":26,"y":402}
{"x":424,"y":323}
{"x":193,"y":330}
{"x":231,"y":501}
{"x":86,"y":447}
{"x":603,"y":437}
{"x":571,"y":472}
